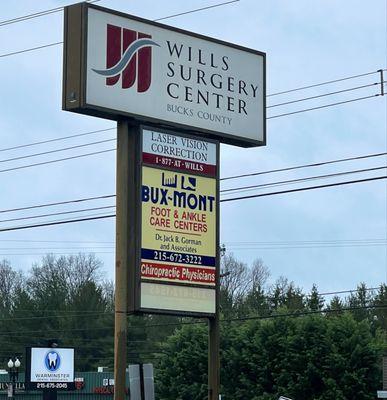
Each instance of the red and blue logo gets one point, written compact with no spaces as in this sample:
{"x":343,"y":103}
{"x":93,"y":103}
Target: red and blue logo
{"x":129,"y":57}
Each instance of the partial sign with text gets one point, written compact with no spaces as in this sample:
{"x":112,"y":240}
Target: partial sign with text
{"x":179,"y":214}
{"x":156,"y":73}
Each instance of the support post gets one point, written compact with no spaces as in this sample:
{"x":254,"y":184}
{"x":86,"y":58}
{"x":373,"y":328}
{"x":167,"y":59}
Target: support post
{"x":214,"y":322}
{"x":381,"y":82}
{"x":213,"y":358}
{"x":50,"y":395}
{"x":126,"y":225}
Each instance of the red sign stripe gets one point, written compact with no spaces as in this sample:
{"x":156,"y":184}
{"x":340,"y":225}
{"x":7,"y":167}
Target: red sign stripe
{"x":179,"y":164}
{"x":178,"y":273}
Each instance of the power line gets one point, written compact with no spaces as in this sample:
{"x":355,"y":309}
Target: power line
{"x":234,"y":246}
{"x":323,"y":83}
{"x":15,"y":228}
{"x":72,"y":253}
{"x":57,"y":150}
{"x":113,"y":206}
{"x":319,"y":164}
{"x":158,"y":19}
{"x":294,"y":314}
{"x":56,"y":139}
{"x":103,"y":130}
{"x":57,"y":213}
{"x":107,"y":196}
{"x":347,"y":291}
{"x":324,"y":95}
{"x":44,"y":46}
{"x":304,"y":189}
{"x":222,"y":179}
{"x":57,"y":160}
{"x":223,"y":200}
{"x":263,"y":248}
{"x":324,"y":106}
{"x":299,"y":180}
{"x":222,"y":191}
{"x":197,"y":10}
{"x":54,"y":241}
{"x":382,"y":240}
{"x":37,"y":14}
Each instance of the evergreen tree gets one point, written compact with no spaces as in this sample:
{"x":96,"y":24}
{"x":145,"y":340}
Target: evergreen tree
{"x":314,"y":301}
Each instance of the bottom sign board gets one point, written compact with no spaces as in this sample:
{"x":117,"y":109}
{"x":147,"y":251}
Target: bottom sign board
{"x":177,"y":298}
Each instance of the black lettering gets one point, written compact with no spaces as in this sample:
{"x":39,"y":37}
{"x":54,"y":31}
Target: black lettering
{"x":174,"y":49}
{"x":169,"y":90}
{"x":188,"y":94}
{"x":200,"y":58}
{"x":218,"y":84}
{"x":242,"y":106}
{"x":242,"y":86}
{"x":212,"y":61}
{"x":225,"y":63}
{"x":171,"y":72}
{"x":187,"y":78}
{"x":200,"y":77}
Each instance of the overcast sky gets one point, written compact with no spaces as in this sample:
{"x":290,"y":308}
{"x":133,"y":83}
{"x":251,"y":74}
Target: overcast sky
{"x":334,"y":237}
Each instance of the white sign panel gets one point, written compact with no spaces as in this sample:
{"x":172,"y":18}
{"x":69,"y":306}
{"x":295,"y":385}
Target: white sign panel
{"x":52,"y":365}
{"x":158,"y":73}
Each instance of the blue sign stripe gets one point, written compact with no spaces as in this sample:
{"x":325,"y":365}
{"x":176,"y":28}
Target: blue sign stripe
{"x":179,"y":258}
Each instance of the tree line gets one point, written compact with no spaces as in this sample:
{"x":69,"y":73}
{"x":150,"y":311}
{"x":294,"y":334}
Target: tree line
{"x":275,"y":338}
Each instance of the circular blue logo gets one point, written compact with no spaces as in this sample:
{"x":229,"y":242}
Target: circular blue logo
{"x":52,"y":361}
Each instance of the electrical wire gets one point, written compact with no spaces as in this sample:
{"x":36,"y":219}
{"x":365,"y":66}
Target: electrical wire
{"x":57,"y":213}
{"x":234,"y":246}
{"x":239,"y":189}
{"x":324,"y":95}
{"x":57,"y":150}
{"x":222,"y":179}
{"x":323,"y":83}
{"x":57,"y":139}
{"x":15,"y":228}
{"x":44,"y":46}
{"x":197,"y":10}
{"x":223,"y":200}
{"x":113,"y":128}
{"x":57,"y":160}
{"x":243,"y":188}
{"x":319,"y":164}
{"x":299,"y":180}
{"x":158,"y":19}
{"x":77,"y":313}
{"x":81,"y":200}
{"x":323,"y":106}
{"x":37,"y":14}
{"x":294,"y":314}
{"x":304,"y":189}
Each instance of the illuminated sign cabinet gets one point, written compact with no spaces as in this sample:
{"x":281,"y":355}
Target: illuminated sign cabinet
{"x":185,"y":93}
{"x":49,"y":368}
{"x":118,"y":65}
{"x":179,"y":216}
